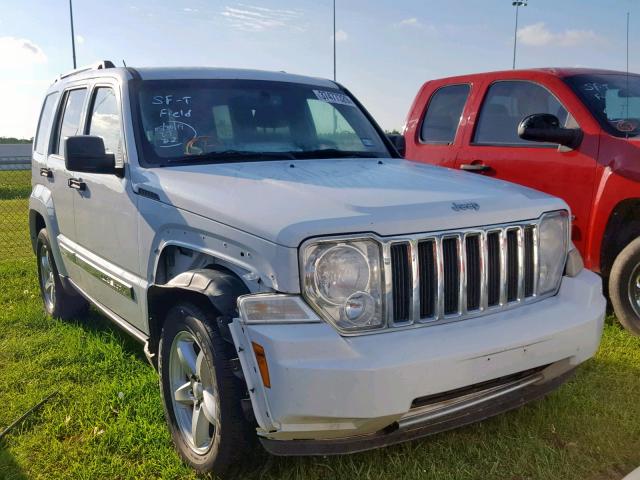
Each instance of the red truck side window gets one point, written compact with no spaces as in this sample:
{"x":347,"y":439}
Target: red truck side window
{"x":506,"y":104}
{"x":443,"y":114}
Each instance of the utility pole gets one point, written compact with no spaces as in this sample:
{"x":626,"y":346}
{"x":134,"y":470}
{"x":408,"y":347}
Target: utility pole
{"x":628,"y":14}
{"x":334,"y":40}
{"x":517,"y":4}
{"x":73,"y":37}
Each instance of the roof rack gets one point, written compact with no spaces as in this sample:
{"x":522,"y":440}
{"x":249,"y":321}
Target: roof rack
{"x":104,"y":64}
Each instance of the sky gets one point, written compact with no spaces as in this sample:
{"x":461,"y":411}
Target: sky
{"x":386,"y":49}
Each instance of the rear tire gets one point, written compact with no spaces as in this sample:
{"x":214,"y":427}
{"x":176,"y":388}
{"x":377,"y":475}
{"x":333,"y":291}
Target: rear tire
{"x":624,"y":287}
{"x":58,"y":302}
{"x":201,"y":395}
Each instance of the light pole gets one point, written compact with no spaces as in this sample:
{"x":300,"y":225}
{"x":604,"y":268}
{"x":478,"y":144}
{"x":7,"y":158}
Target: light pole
{"x":334,"y":40}
{"x":517,"y":4}
{"x":73,"y":37}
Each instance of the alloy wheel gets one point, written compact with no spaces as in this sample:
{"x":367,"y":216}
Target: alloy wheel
{"x":47,"y":277}
{"x":193,"y":392}
{"x":634,"y":289}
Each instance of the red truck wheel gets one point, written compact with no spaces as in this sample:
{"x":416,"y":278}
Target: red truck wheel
{"x":624,"y":287}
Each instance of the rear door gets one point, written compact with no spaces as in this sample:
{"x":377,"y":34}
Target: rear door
{"x":434,"y":134}
{"x":492,"y":146}
{"x":68,"y":123}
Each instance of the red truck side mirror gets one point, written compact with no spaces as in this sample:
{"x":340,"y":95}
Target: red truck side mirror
{"x":544,"y":127}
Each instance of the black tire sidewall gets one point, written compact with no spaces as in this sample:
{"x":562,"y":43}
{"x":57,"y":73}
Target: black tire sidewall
{"x":198,"y":322}
{"x":619,"y":278}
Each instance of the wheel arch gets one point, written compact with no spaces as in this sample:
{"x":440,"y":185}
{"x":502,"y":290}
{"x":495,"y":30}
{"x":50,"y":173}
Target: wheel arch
{"x":42,"y":215}
{"x":215,"y":286}
{"x":36,"y":223}
{"x":622,"y":227}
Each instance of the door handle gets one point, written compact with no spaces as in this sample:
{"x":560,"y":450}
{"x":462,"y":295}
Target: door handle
{"x":474,"y":167}
{"x":77,"y":184}
{"x":46,"y":172}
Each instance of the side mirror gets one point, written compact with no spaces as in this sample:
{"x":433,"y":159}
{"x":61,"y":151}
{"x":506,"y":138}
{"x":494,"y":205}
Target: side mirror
{"x":398,"y":142}
{"x":86,"y":153}
{"x":544,"y":127}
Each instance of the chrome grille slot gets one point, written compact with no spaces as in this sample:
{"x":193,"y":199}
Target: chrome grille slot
{"x":493,"y":261}
{"x":512,"y":265}
{"x":453,"y":275}
{"x":529,"y":259}
{"x":428,"y":278}
{"x":402,"y":281}
{"x":474,"y":279}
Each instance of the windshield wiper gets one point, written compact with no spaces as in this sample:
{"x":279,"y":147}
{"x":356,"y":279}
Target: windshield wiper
{"x":225,"y":156}
{"x":333,"y":153}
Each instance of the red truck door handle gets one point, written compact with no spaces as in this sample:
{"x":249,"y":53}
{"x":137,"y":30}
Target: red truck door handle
{"x":474,"y":167}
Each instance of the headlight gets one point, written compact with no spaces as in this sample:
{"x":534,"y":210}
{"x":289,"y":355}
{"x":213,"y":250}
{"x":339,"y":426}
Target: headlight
{"x":342,"y":281}
{"x":554,"y":237}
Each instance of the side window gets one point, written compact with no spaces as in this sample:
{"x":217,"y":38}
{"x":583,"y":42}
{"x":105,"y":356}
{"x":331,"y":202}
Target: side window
{"x":104,"y":120}
{"x":504,"y":107}
{"x":332,"y":129}
{"x":44,"y":124}
{"x":443,"y":114}
{"x":69,"y":124}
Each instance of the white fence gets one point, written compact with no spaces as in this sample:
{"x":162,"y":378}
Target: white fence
{"x":15,"y":156}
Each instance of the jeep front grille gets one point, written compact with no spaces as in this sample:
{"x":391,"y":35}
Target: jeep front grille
{"x":455,"y":275}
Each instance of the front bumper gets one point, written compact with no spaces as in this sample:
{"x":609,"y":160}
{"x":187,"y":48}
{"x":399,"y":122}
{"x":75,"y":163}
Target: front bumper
{"x":335,"y":394}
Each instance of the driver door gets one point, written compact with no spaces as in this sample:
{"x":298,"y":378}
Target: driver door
{"x":493,"y":148}
{"x":106,"y":216}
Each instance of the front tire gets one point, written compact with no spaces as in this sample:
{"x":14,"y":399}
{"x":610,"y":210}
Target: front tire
{"x":201,"y":395}
{"x":58,"y":302}
{"x":624,"y":287}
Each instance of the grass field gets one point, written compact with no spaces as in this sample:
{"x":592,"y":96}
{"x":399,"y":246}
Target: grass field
{"x":106,"y":420}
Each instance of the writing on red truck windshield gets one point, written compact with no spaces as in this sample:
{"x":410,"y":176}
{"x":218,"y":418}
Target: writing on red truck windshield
{"x":614,"y":99}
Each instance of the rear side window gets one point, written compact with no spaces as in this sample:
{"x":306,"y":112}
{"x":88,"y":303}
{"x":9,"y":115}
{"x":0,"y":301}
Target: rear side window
{"x":104,"y":120}
{"x":504,"y":107}
{"x":44,"y":124}
{"x":71,"y":116}
{"x":443,"y":114}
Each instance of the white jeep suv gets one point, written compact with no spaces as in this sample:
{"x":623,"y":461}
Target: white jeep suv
{"x":288,"y":274}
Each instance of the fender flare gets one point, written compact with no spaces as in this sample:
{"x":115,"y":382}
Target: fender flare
{"x":41,"y":203}
{"x":220,"y":286}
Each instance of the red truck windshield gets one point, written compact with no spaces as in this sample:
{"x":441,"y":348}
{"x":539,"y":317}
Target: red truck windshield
{"x":614,"y":99}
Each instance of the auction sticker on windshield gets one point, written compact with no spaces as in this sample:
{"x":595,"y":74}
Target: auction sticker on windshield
{"x":333,"y":97}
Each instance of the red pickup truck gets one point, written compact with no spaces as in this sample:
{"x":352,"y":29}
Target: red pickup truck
{"x":573,"y":133}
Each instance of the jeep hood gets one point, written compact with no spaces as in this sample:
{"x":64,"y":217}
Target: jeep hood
{"x":287,"y":202}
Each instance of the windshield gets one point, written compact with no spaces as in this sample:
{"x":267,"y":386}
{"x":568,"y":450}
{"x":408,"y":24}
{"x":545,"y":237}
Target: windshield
{"x":614,"y":99}
{"x":187,"y":121}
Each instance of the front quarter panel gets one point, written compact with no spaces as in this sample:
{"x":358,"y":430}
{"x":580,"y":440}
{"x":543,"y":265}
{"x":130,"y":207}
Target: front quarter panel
{"x":271,"y":266}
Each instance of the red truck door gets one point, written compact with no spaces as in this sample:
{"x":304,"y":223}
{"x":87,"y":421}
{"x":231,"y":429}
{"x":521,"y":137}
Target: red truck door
{"x":436,"y":122}
{"x":491,"y":145}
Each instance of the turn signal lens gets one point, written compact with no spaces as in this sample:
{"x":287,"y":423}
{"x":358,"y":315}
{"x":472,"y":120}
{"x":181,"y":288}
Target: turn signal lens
{"x":261,"y":358}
